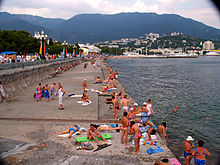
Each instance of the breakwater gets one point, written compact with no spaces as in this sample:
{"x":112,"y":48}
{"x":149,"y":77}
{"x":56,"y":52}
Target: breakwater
{"x":16,"y":79}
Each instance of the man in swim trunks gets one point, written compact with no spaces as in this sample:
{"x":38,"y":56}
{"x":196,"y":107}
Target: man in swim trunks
{"x":200,"y":154}
{"x":162,"y":131}
{"x":125,"y":124}
{"x":136,"y":130}
{"x":188,"y":150}
{"x":116,"y":105}
{"x":93,"y":133}
{"x":52,"y":90}
{"x":125,"y":103}
{"x":84,"y":84}
{"x":151,"y":128}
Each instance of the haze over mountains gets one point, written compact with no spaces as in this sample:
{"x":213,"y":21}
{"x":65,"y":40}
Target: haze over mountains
{"x":101,"y":27}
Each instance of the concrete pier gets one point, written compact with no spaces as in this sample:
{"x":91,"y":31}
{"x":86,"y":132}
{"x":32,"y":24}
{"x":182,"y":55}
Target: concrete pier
{"x":32,"y":125}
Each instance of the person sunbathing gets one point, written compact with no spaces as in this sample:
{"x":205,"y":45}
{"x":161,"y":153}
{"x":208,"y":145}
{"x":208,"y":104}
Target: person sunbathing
{"x":94,"y":133}
{"x":105,"y":89}
{"x":73,"y":129}
{"x":105,"y":127}
{"x":85,"y":97}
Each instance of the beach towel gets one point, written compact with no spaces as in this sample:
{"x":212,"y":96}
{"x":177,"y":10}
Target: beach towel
{"x":174,"y":161}
{"x":156,"y":150}
{"x":76,"y":96}
{"x":85,"y":139}
{"x":67,"y":134}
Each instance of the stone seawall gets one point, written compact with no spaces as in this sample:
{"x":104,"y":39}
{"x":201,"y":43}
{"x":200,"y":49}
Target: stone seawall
{"x":15,"y":80}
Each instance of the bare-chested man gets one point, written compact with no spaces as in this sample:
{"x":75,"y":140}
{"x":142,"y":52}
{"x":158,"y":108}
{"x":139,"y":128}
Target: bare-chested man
{"x":93,"y":133}
{"x":116,"y":105}
{"x":125,"y":124}
{"x":84,"y":84}
{"x":136,"y":130}
{"x":162,"y":131}
{"x":125,"y":103}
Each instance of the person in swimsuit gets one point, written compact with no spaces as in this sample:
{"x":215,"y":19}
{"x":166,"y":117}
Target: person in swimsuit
{"x":106,"y":127}
{"x":162,"y":131}
{"x":131,"y":115}
{"x":52,"y":90}
{"x":46,"y":93}
{"x":84,"y":84}
{"x":116,"y":105}
{"x":144,"y":113}
{"x":151,"y":128}
{"x":125,"y":103}
{"x":85,"y":97}
{"x":38,"y":92}
{"x":149,"y":109}
{"x":136,"y":130}
{"x":73,"y":129}
{"x":188,"y":150}
{"x":200,"y":154}
{"x":135,"y":107}
{"x":125,"y":124}
{"x":94,"y":133}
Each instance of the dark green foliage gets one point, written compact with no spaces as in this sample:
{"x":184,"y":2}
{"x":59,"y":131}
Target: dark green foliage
{"x":112,"y":51}
{"x":18,"y":41}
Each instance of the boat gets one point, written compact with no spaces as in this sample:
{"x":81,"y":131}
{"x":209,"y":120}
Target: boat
{"x":213,"y":54}
{"x":182,"y":55}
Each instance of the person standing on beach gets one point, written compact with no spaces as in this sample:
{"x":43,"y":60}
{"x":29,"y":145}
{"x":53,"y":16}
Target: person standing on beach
{"x":38,"y":93}
{"x":162,"y":131}
{"x":2,"y":92}
{"x":52,"y":90}
{"x":84,"y":84}
{"x":200,"y":154}
{"x":188,"y":150}
{"x":149,"y":109}
{"x":125,"y":124}
{"x":136,"y":130}
{"x":125,"y":103}
{"x":116,"y":105}
{"x":46,"y":93}
{"x":61,"y":93}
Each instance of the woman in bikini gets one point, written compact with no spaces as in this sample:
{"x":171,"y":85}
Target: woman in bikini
{"x":136,"y":130}
{"x":200,"y":154}
{"x":131,"y":115}
{"x":71,"y":131}
{"x":38,"y":92}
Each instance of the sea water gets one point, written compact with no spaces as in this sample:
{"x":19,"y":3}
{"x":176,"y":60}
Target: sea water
{"x":193,"y":84}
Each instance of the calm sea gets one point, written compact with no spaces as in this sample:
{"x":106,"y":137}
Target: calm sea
{"x":191,"y":84}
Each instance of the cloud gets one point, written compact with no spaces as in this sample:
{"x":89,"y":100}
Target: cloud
{"x":200,"y":10}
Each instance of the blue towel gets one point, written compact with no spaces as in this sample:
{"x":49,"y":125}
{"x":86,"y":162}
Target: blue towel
{"x":156,"y":150}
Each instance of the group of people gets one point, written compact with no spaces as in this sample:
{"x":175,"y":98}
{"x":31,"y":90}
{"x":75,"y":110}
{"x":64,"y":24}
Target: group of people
{"x":48,"y":92}
{"x":199,"y":153}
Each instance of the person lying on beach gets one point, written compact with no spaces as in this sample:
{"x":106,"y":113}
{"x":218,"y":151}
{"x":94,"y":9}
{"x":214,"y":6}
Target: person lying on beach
{"x":162,"y":131}
{"x":105,"y":127}
{"x":73,"y":129}
{"x":94,"y":133}
{"x":105,"y":89}
{"x":111,"y":84}
{"x":136,"y":130}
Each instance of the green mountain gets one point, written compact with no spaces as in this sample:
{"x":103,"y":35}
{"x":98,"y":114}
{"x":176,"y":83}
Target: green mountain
{"x":101,"y":27}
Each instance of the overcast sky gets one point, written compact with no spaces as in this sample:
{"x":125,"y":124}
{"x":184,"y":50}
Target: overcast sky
{"x":200,"y":10}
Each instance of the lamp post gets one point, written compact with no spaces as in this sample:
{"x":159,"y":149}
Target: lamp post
{"x":64,"y":48}
{"x":74,"y":50}
{"x":43,"y":38}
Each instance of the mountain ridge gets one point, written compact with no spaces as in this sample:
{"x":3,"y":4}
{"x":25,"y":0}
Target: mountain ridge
{"x":101,"y":27}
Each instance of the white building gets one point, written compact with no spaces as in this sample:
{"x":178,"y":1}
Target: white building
{"x":208,"y":45}
{"x":87,"y":49}
{"x":152,"y":36}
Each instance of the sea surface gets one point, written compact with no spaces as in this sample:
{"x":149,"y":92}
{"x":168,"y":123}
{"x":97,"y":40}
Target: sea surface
{"x":193,"y":84}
